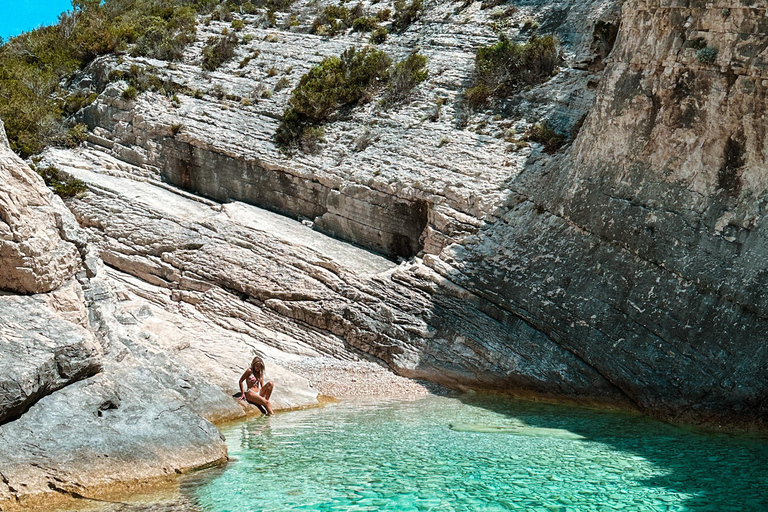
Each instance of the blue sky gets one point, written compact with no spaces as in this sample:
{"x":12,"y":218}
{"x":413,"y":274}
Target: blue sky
{"x":22,"y":15}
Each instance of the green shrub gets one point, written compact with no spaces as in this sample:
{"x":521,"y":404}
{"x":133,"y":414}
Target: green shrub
{"x":166,"y":39}
{"x":63,"y":186}
{"x":545,"y":135}
{"x":218,"y":50}
{"x":248,"y":8}
{"x":338,"y":81}
{"x":478,"y":95}
{"x":76,"y":135}
{"x":707,"y":55}
{"x":238,"y":25}
{"x":78,"y":100}
{"x":333,"y":20}
{"x":379,"y":35}
{"x":333,"y":83}
{"x":406,"y":13}
{"x":130,"y":93}
{"x":364,"y":24}
{"x":405,"y":75}
{"x":384,"y":15}
{"x":35,"y":65}
{"x":504,"y":67}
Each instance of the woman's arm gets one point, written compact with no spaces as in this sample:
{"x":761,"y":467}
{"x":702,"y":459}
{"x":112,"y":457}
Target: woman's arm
{"x":242,"y":379}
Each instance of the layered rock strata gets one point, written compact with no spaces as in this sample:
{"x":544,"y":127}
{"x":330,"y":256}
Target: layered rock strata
{"x":634,"y":255}
{"x":106,"y":383}
{"x":625,"y":270}
{"x":35,"y":257}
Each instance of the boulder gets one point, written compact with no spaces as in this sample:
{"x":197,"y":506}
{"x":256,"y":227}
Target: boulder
{"x":40,"y":352}
{"x":33,"y":256}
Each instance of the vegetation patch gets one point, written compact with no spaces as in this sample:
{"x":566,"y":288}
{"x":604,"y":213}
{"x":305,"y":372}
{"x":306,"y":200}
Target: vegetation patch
{"x":404,"y":76}
{"x":335,"y":82}
{"x":34,"y":65}
{"x":62,"y":185}
{"x":344,"y":81}
{"x":406,"y":13}
{"x":549,"y":138}
{"x":706,"y":55}
{"x":379,"y":35}
{"x":335,"y":19}
{"x":218,"y":50}
{"x":76,"y":135}
{"x":364,"y":24}
{"x":504,"y":67}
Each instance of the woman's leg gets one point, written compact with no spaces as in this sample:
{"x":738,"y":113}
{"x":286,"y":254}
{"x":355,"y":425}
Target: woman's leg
{"x":266,"y":390}
{"x":257,"y":399}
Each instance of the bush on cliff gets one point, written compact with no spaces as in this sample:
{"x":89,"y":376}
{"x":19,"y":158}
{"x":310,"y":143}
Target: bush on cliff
{"x":543,"y":134}
{"x":406,"y":13}
{"x":341,"y":81}
{"x":62,"y":185}
{"x":335,"y":82}
{"x":218,"y":50}
{"x":504,"y":67}
{"x":34,"y":65}
{"x":335,"y":19}
{"x":404,"y":76}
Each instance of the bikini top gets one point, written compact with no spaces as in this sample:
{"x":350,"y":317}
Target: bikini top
{"x":252,"y":381}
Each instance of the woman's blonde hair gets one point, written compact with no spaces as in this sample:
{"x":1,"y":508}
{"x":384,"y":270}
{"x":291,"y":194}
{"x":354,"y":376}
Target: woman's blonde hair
{"x":257,"y":367}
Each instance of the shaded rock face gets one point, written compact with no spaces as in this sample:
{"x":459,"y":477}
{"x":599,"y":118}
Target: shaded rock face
{"x":34,"y":257}
{"x":381,"y":222}
{"x":655,"y":220}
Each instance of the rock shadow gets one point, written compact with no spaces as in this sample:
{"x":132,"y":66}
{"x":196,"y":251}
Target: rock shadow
{"x":720,"y":471}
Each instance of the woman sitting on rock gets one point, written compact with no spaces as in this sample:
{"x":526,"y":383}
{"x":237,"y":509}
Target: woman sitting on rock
{"x":257,"y":393}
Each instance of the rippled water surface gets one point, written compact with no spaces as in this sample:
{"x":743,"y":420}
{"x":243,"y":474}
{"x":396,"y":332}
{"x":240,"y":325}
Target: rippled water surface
{"x":478,"y":454}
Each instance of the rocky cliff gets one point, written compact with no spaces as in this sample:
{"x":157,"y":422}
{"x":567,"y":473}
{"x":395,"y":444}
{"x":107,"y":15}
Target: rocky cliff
{"x":102,"y":388}
{"x":625,"y":269}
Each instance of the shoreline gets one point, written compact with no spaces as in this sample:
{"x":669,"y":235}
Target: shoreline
{"x":334,"y":380}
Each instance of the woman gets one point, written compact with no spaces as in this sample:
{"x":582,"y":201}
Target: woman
{"x":257,"y":392}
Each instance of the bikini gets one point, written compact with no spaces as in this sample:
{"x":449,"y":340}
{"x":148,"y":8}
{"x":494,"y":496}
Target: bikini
{"x":252,"y":382}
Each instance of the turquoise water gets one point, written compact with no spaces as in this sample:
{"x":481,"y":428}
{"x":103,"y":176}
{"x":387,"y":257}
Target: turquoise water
{"x":478,"y":454}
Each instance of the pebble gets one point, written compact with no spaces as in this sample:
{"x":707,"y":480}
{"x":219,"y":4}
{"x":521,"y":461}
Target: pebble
{"x":358,"y":379}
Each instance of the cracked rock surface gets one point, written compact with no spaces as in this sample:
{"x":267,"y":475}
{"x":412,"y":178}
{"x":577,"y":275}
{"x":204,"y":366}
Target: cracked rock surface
{"x":628,"y":269}
{"x":35,"y":257}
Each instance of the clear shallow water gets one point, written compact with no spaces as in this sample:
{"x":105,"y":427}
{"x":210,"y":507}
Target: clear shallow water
{"x":478,"y":454}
